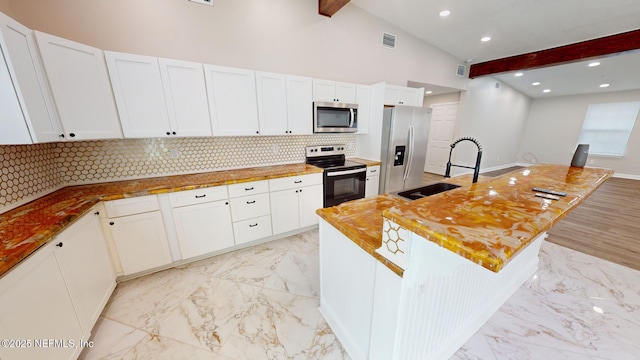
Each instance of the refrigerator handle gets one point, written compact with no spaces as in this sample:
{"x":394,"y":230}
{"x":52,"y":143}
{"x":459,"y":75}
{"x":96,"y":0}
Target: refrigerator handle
{"x":407,"y":168}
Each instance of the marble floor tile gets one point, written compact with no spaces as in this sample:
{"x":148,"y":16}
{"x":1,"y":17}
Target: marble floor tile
{"x":261,"y":303}
{"x":297,"y":274}
{"x":143,"y":302}
{"x":277,"y":325}
{"x":111,"y":340}
{"x":210,"y":314}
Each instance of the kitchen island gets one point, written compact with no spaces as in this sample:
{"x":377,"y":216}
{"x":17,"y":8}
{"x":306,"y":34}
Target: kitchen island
{"x":416,"y":279}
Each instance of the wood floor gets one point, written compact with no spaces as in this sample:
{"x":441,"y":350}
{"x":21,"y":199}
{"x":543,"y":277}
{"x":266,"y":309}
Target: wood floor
{"x":606,"y":225}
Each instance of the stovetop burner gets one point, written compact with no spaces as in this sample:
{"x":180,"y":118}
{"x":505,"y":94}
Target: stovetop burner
{"x":330,"y":157}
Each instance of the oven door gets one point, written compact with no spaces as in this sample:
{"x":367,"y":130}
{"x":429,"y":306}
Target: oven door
{"x":343,"y":185}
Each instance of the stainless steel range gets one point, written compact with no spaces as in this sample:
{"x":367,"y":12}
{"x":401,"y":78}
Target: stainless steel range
{"x":344,"y":180}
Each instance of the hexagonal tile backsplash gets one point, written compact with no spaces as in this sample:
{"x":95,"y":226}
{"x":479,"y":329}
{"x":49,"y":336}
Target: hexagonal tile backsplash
{"x":31,"y":170}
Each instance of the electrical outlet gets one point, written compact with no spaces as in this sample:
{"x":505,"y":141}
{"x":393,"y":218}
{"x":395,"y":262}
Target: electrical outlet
{"x":591,"y":162}
{"x":275,"y":149}
{"x":205,"y":2}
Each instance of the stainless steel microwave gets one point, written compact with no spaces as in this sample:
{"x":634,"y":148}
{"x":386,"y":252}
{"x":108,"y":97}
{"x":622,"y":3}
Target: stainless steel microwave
{"x":332,"y":117}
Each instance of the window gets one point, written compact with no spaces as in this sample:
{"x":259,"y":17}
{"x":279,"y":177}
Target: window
{"x":607,"y":127}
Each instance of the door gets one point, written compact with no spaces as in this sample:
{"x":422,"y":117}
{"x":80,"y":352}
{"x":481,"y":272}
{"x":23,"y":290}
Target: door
{"x":15,"y":129}
{"x":443,"y":123}
{"x":137,"y":88}
{"x":86,"y":267}
{"x":203,"y":228}
{"x":418,"y":140}
{"x":186,"y":96}
{"x":39,"y":107}
{"x":272,"y":103}
{"x":285,"y":210}
{"x":299,"y":102}
{"x":310,"y":200}
{"x":81,"y":88}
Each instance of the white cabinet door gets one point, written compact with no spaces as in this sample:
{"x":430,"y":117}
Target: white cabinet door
{"x":80,"y":85}
{"x":15,"y":129}
{"x":401,"y":95}
{"x":272,"y":103}
{"x":285,"y":210}
{"x":86,"y":267}
{"x":363,"y":99}
{"x":38,"y":106}
{"x":232,"y":101}
{"x":346,"y":93}
{"x":310,"y":200}
{"x":36,"y":305}
{"x":203,"y":228}
{"x":371,"y":187}
{"x":299,"y":105}
{"x":137,"y":88}
{"x":186,"y":97}
{"x":324,"y":90}
{"x":252,"y":229}
{"x":141,"y":241}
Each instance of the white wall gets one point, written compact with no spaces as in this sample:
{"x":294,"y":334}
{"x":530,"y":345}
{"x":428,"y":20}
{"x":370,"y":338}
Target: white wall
{"x":496,"y":117}
{"x":286,"y":36}
{"x":554,"y":124}
{"x":441,"y":99}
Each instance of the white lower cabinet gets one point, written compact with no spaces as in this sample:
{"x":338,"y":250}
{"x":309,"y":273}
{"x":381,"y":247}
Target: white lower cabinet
{"x":203,"y":228}
{"x":294,"y":201}
{"x":84,"y":261}
{"x":373,"y":181}
{"x":51,"y":300}
{"x":251,"y":213}
{"x":138,"y":232}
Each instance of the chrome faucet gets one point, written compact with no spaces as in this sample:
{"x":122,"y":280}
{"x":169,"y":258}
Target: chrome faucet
{"x":476,"y":169}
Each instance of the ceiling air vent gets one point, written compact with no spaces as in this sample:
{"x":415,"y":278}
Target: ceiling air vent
{"x":388,"y":40}
{"x":205,"y":2}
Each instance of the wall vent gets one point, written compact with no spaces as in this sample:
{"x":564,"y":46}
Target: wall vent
{"x":389,"y":40}
{"x":206,"y":2}
{"x":460,"y":70}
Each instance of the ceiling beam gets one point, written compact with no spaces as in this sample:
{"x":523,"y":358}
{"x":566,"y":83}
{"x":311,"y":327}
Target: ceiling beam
{"x":330,"y":7}
{"x":608,"y":45}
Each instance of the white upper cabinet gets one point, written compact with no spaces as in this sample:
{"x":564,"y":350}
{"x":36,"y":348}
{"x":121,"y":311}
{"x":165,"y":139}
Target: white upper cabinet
{"x":400,"y":95}
{"x":300,"y":105}
{"x":232,"y":101}
{"x":137,"y":88}
{"x":284,"y":104}
{"x":81,"y":89}
{"x":40,"y":114}
{"x":186,"y":96}
{"x":327,"y":90}
{"x":14,"y":127}
{"x":272,"y":103}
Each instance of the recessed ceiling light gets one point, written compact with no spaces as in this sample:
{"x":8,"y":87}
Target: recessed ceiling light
{"x":444,"y":13}
{"x":535,"y":83}
{"x":593,"y":64}
{"x":518,"y":74}
{"x":485,"y":38}
{"x":468,"y":60}
{"x":546,"y":90}
{"x":604,"y":85}
{"x":428,"y":92}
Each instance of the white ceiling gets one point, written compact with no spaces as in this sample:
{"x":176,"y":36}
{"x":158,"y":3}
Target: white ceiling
{"x":522,"y":26}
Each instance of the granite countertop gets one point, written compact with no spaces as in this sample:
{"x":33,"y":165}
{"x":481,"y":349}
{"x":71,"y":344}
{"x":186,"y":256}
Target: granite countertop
{"x":25,"y":229}
{"x":366,"y":161}
{"x":487,"y":222}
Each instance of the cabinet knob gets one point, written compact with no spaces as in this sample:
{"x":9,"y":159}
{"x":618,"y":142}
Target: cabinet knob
{"x":257,"y":132}
{"x":168,"y":133}
{"x":72,"y":134}
{"x":248,"y":189}
{"x":297,"y":181}
{"x":111,"y":223}
{"x":96,"y":213}
{"x":61,"y":136}
{"x":226,"y":203}
{"x":200,"y":196}
{"x":251,"y":202}
{"x":174,"y":133}
{"x":60,"y":244}
{"x":254,"y":225}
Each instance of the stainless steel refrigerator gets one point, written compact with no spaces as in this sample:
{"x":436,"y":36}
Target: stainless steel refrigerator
{"x":405,"y":134}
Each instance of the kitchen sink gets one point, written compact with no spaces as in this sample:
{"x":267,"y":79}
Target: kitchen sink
{"x":424,"y":191}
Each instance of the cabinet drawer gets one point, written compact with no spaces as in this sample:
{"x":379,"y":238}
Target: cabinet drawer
{"x":292,"y":182}
{"x":252,"y":229}
{"x":198,"y":196}
{"x":130,"y":206}
{"x":373,"y":170}
{"x":248,"y":207}
{"x":248,"y":188}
